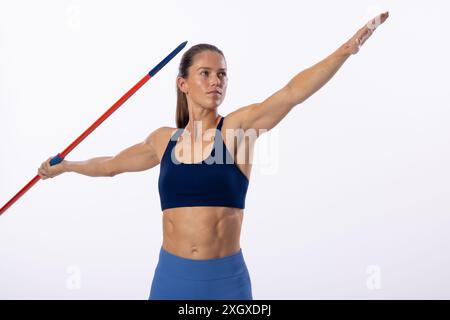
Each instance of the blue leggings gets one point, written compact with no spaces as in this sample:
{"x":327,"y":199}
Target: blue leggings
{"x":178,"y":278}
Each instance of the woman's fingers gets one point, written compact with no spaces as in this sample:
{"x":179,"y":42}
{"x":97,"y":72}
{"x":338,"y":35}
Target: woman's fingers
{"x":42,"y":174}
{"x":44,"y":169}
{"x":370,"y":27}
{"x":377,"y":21}
{"x":384,"y":16}
{"x":364,"y":36}
{"x":47,"y":163}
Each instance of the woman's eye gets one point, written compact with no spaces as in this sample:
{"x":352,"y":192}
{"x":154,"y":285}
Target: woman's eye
{"x":223,"y":74}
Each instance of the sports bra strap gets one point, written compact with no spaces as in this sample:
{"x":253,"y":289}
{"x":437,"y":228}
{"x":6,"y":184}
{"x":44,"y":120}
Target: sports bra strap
{"x":219,"y":127}
{"x":177,"y":134}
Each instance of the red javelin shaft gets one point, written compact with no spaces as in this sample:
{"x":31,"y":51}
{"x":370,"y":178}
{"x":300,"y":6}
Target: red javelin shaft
{"x":60,"y":156}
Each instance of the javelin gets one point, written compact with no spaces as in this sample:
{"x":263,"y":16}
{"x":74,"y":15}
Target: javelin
{"x":60,"y":156}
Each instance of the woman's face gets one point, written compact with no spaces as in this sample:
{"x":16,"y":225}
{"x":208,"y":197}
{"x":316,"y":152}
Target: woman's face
{"x":208,"y":73}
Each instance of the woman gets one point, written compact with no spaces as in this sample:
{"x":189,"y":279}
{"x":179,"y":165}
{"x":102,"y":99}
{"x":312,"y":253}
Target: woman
{"x":203,"y":187}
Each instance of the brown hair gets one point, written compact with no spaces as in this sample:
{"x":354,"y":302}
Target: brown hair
{"x":182,"y":112}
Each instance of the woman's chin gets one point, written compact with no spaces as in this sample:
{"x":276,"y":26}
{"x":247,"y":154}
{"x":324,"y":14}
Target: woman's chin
{"x":212,"y":104}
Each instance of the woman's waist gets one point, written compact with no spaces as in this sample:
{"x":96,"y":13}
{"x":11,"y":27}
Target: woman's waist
{"x":173,"y":266}
{"x":201,"y":246}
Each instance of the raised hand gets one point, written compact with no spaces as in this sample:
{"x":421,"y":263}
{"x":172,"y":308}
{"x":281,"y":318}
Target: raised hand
{"x":354,"y":44}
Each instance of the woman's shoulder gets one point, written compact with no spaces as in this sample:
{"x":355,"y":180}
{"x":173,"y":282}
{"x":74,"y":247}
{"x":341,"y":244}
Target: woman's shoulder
{"x":168,"y":131}
{"x":163,"y":134}
{"x":159,"y":138}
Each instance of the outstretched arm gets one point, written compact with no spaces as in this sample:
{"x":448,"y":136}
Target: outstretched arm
{"x":139,"y":157}
{"x":267,"y":114}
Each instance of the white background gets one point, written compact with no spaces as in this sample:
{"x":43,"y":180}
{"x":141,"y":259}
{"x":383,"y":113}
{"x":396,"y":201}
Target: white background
{"x":350,"y":201}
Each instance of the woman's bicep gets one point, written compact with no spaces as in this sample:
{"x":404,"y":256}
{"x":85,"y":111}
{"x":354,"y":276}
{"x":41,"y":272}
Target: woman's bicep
{"x":139,"y":157}
{"x":263,"y":116}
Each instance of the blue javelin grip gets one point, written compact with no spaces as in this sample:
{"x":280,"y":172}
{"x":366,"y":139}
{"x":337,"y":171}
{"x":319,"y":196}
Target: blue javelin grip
{"x":56,"y":159}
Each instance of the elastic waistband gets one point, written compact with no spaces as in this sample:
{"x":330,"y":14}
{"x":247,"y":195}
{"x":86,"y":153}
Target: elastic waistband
{"x":201,"y":269}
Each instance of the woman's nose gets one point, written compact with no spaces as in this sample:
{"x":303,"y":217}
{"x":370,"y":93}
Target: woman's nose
{"x":216,"y":80}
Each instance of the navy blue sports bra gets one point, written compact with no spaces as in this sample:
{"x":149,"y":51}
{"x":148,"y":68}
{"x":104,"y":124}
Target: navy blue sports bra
{"x":216,"y":181}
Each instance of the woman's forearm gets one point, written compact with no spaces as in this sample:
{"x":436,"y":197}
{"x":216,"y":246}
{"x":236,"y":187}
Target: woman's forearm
{"x":308,"y":81}
{"x":94,"y":167}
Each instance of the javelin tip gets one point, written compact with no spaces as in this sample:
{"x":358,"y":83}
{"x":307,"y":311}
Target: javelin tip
{"x":181,"y":46}
{"x":167,"y":59}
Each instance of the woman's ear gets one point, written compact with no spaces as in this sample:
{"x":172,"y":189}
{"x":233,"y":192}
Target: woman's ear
{"x":182,"y":84}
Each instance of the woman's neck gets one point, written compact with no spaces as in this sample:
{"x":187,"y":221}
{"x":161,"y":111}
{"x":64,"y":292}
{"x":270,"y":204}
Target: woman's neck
{"x":197,"y":126}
